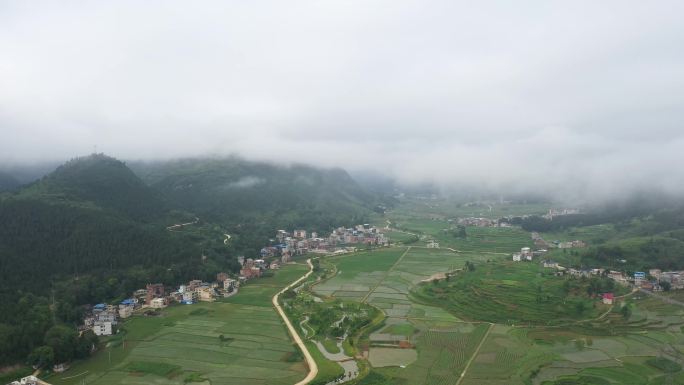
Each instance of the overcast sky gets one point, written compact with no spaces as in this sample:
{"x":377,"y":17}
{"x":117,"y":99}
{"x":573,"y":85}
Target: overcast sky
{"x":584,"y":96}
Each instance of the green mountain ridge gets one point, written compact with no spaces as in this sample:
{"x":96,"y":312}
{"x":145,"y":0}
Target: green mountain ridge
{"x":98,"y":181}
{"x":94,"y":213}
{"x":90,"y":214}
{"x":233,"y":191}
{"x":92,"y":230}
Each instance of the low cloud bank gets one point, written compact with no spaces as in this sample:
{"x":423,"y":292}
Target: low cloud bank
{"x":576,"y":100}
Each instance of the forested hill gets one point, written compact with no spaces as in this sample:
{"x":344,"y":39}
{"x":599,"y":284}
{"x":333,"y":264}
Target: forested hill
{"x":234,"y":191}
{"x":98,"y":181}
{"x":94,"y":215}
{"x":93,"y":231}
{"x":90,"y":214}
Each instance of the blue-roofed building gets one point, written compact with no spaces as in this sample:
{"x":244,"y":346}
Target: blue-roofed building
{"x":99,"y":307}
{"x":126,"y":307}
{"x":639,"y":276}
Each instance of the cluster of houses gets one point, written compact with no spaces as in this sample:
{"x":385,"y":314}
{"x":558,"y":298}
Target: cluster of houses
{"x":482,"y":222}
{"x":103,"y":318}
{"x":526,"y":254}
{"x":286,"y":244}
{"x":559,"y":212}
{"x":652,"y":281}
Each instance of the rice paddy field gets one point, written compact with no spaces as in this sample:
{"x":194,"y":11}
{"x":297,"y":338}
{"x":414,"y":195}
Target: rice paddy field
{"x":427,"y":342}
{"x":486,"y":240}
{"x":439,"y":344}
{"x":503,"y":323}
{"x":538,"y":335}
{"x":222,"y":343}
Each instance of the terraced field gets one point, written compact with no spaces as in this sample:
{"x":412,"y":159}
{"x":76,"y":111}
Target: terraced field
{"x":607,"y":350}
{"x":384,"y":279}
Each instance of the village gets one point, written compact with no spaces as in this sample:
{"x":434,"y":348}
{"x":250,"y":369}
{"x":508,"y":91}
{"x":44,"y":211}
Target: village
{"x":654,"y":281}
{"x":103,"y":319}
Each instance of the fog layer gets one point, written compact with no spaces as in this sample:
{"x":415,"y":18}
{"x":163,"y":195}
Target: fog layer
{"x":578,"y":98}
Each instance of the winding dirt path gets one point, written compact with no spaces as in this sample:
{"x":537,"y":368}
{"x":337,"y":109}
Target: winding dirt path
{"x":313,"y":368}
{"x":180,"y":225}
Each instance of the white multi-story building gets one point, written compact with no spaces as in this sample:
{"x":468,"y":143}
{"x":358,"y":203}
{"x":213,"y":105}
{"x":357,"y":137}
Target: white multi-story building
{"x":102,"y":328}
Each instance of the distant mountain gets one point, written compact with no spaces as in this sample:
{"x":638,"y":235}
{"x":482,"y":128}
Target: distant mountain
{"x":234,"y":191}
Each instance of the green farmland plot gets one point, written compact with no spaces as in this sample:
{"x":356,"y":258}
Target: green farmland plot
{"x":524,"y":294}
{"x":358,"y":273}
{"x":385,"y":279}
{"x":223,"y":343}
{"x":259,"y":292}
{"x":412,"y":207}
{"x":443,"y":353}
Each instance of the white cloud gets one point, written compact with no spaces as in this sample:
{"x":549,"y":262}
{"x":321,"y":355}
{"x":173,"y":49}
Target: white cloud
{"x":246,"y":182}
{"x":573,"y":97}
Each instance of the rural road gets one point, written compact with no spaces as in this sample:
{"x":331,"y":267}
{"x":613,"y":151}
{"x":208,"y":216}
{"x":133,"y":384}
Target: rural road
{"x":180,"y":225}
{"x":313,"y":368}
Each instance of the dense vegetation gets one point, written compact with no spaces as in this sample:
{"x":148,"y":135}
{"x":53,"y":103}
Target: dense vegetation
{"x":230,"y":191}
{"x":93,"y":231}
{"x":639,"y":237}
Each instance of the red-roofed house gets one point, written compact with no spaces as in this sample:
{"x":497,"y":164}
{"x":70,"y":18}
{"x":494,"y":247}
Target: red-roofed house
{"x":608,"y":298}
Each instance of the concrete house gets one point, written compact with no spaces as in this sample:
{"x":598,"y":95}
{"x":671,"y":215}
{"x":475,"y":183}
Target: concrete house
{"x":102,"y":328}
{"x":158,"y":303}
{"x":608,"y":298}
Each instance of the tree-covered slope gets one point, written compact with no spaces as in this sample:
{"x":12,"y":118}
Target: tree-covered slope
{"x":234,"y":191}
{"x":93,"y":231}
{"x":90,"y":214}
{"x":98,"y":181}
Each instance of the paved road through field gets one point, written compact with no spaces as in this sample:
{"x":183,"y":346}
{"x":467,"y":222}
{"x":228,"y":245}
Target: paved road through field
{"x":313,"y":368}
